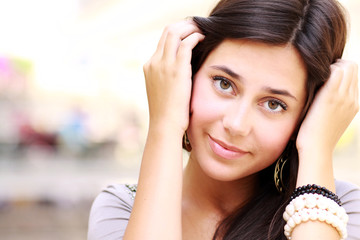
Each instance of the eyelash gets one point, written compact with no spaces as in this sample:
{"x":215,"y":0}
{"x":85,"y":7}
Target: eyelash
{"x":223,"y":79}
{"x":277,"y":101}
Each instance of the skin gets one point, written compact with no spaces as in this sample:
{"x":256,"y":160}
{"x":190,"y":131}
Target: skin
{"x":245,"y":112}
{"x":190,"y":203}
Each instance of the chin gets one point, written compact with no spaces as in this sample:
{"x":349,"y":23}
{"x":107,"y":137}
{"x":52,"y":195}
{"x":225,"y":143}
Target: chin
{"x":221,"y":171}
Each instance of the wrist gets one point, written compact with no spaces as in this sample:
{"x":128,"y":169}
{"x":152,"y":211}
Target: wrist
{"x":174,"y":123}
{"x":165,"y":129}
{"x":316,"y":167}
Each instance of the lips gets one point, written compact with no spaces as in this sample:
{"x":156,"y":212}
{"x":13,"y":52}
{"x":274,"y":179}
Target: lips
{"x":224,"y":150}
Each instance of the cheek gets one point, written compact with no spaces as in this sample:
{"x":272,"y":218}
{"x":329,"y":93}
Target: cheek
{"x":204,"y":106}
{"x":203,"y":110}
{"x":273,"y":140}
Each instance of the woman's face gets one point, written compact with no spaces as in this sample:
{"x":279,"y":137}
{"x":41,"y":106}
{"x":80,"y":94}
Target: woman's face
{"x":247,"y":98}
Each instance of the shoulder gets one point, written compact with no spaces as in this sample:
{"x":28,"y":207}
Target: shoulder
{"x":349,"y":195}
{"x":116,"y":195}
{"x":344,"y":188}
{"x":110,"y":212}
{"x":124,"y":192}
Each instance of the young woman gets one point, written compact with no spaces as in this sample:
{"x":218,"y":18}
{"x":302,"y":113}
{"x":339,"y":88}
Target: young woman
{"x":259,"y":96}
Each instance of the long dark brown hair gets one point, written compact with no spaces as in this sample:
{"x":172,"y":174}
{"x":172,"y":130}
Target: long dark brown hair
{"x":317,"y":29}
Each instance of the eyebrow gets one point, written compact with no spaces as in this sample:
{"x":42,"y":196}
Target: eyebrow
{"x":279,"y":92}
{"x":238,"y":77}
{"x":227,"y":71}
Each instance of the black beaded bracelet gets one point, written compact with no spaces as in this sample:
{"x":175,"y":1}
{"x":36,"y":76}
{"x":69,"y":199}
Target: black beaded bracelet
{"x":313,"y":188}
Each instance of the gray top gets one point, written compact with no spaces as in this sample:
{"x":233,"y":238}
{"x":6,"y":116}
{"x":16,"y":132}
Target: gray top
{"x":111,"y":210}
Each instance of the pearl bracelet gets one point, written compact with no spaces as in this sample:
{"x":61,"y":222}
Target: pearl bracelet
{"x":313,"y":188}
{"x":312,"y":206}
{"x":313,"y":215}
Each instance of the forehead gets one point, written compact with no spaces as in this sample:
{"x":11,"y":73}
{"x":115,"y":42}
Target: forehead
{"x":279,"y":58}
{"x":273,"y":65}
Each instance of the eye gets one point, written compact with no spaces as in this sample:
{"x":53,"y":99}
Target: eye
{"x":275,"y":105}
{"x":222,"y":84}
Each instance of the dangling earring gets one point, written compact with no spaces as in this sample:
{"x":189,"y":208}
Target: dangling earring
{"x":278,"y":174}
{"x":186,"y":143}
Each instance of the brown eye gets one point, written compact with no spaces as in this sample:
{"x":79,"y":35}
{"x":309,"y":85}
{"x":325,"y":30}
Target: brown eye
{"x":273,"y":105}
{"x":225,"y":84}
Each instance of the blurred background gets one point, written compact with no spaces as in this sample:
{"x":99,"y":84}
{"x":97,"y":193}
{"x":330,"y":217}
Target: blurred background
{"x":73,"y":109}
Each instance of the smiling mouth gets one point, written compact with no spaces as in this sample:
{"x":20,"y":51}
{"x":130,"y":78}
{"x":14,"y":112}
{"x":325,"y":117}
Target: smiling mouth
{"x":224,"y":150}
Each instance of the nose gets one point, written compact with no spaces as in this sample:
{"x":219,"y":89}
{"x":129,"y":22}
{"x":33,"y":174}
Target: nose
{"x":237,"y":119}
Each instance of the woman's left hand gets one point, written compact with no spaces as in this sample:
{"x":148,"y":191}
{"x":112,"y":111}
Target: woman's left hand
{"x":334,"y":107}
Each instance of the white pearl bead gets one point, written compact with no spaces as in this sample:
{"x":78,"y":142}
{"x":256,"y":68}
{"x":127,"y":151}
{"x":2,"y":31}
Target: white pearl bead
{"x":287,"y":228}
{"x":322,"y":216}
{"x":305,"y":217}
{"x":297,"y":218}
{"x":341,"y":213}
{"x":329,"y":219}
{"x":286,"y":216}
{"x":291,"y":223}
{"x":335,"y":222}
{"x":299,"y":204}
{"x":313,"y":215}
{"x":311,"y":201}
{"x":322,"y":203}
{"x":290,"y":209}
{"x":333,"y":207}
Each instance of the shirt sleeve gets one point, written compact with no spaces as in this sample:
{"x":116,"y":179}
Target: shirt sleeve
{"x":349,"y":195}
{"x":110,"y":213}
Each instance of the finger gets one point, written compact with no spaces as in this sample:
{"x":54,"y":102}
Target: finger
{"x":185,"y":49}
{"x":347,"y":80}
{"x":355,"y":77}
{"x":355,"y":85}
{"x":349,"y":83}
{"x":334,"y":81}
{"x":175,"y":35}
{"x":164,"y":35}
{"x":159,"y":53}
{"x":160,"y":46}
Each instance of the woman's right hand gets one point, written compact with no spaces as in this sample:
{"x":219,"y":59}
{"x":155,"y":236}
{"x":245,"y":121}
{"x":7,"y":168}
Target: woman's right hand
{"x":168,"y":76}
{"x":168,"y":85}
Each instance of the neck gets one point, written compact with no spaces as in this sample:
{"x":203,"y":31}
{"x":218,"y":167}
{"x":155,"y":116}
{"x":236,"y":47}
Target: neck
{"x":212,"y":195}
